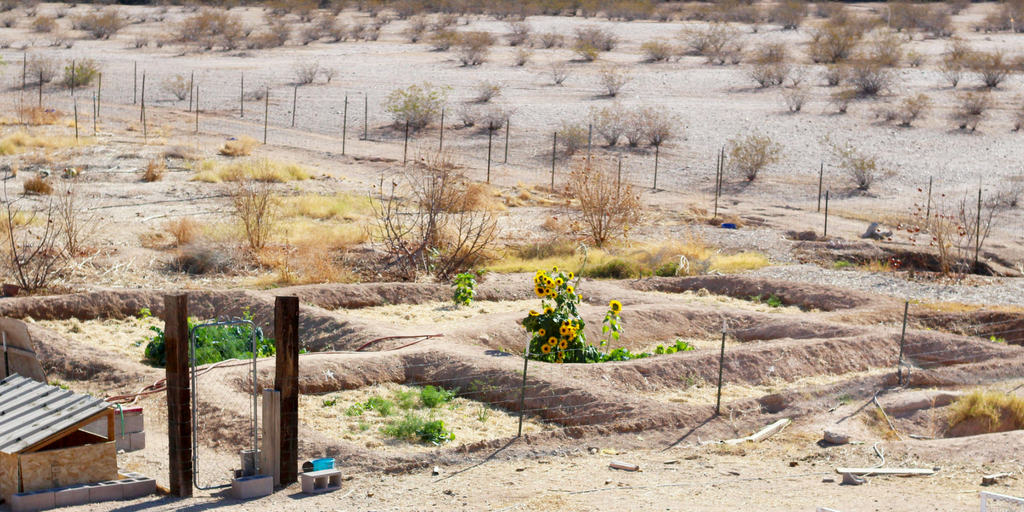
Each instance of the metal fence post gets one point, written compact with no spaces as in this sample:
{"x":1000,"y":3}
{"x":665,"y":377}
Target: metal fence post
{"x":903,"y":337}
{"x":721,"y":365}
{"x":522,"y":391}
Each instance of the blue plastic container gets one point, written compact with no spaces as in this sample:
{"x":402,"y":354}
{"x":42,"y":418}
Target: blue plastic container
{"x":728,"y":225}
{"x":322,"y":464}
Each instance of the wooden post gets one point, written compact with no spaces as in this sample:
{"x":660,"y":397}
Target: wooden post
{"x":241,"y":97}
{"x":344,"y":126}
{"x":490,"y":135}
{"x":179,"y":407}
{"x":657,"y":149}
{"x":191,"y":85}
{"x":825,"y":234}
{"x":286,"y":380}
{"x":295,"y":103}
{"x":366,"y":117}
{"x":270,"y":455}
{"x":721,"y":366}
{"x":821,"y":177}
{"x":440,"y":143}
{"x":903,"y":337}
{"x":143,"y":105}
{"x":266,"y":114}
{"x":522,"y":391}
{"x":508,"y":124}
{"x":554,"y":154}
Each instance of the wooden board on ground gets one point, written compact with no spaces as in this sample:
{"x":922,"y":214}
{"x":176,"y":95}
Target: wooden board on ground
{"x":764,"y":433}
{"x":21,"y":357}
{"x":68,"y":466}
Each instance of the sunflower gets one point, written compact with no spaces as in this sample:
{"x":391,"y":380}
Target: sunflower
{"x":548,"y":310}
{"x":555,"y":269}
{"x":546,"y":349}
{"x":540,"y":291}
{"x":559,"y":281}
{"x":569,"y":288}
{"x":565,"y":330}
{"x":564,"y":344}
{"x":615,"y":307}
{"x":552,"y":341}
{"x":534,"y":313}
{"x":560,"y":357}
{"x":541,"y":332}
{"x":570,"y":276}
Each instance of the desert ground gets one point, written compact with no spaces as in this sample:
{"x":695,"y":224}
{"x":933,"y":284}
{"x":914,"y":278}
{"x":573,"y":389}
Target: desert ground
{"x":143,"y":180}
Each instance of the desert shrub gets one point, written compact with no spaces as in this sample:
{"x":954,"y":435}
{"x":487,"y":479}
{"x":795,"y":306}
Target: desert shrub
{"x":443,"y":40}
{"x":656,"y":124}
{"x":613,"y":78}
{"x":751,"y":154}
{"x":518,"y":33}
{"x":970,"y":109}
{"x":473,"y":47}
{"x":209,"y":28}
{"x":155,"y":169}
{"x":44,"y":24}
{"x":788,"y":14}
{"x":486,"y":91}
{"x":871,"y":79}
{"x":83,"y":73}
{"x":992,"y":68}
{"x":184,"y":231}
{"x":438,"y":229}
{"x":914,"y":59}
{"x":551,"y":40}
{"x":573,"y":137}
{"x":657,"y":51}
{"x":833,"y":43}
{"x":38,"y":185}
{"x":522,"y":56}
{"x":241,"y":146}
{"x":606,"y":210}
{"x":102,"y":25}
{"x":495,"y":118}
{"x":601,"y":39}
{"x":306,"y":71}
{"x":32,"y":242}
{"x":794,"y":98}
{"x":913,"y":108}
{"x":559,"y":71}
{"x":707,"y":40}
{"x":468,"y":116}
{"x":42,"y":68}
{"x":953,"y":69}
{"x":310,"y":34}
{"x":609,"y":122}
{"x":835,"y":74}
{"x":885,"y":48}
{"x":842,"y":99}
{"x":333,"y":29}
{"x":140,"y":41}
{"x":417,"y":104}
{"x":861,"y":168}
{"x":769,"y":73}
{"x":586,"y":52}
{"x":993,"y":410}
{"x":255,"y":205}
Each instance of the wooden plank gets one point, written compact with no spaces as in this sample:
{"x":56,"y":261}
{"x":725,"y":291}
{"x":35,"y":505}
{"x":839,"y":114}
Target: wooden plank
{"x":764,"y":433}
{"x":10,"y":475}
{"x":68,"y":466}
{"x":21,"y":357}
{"x":179,"y":399}
{"x":286,"y":380}
{"x":886,"y":471}
{"x":270,"y":456}
{"x":41,"y":445}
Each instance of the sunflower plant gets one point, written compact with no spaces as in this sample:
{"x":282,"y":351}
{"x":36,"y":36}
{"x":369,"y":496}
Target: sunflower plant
{"x":557,"y":329}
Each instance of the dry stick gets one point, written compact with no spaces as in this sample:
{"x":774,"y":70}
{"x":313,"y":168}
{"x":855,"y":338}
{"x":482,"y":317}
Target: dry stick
{"x":718,"y":181}
{"x":24,"y":70}
{"x":241,"y":98}
{"x":440,"y":143}
{"x":72,"y":78}
{"x":508,"y":123}
{"x":490,"y":134}
{"x":145,"y":132}
{"x":821,"y":175}
{"x":143,"y":109}
{"x":344,"y":126}
{"x":366,"y":117}
{"x":977,"y":233}
{"x":721,"y":365}
{"x":191,"y":84}
{"x":95,"y":113}
{"x":135,"y":83}
{"x":825,"y":234}
{"x":295,"y":103}
{"x":590,"y":138}
{"x":928,"y":209}
{"x":522,"y":391}
{"x":197,"y":110}
{"x":266,"y":114}
{"x":405,"y":147}
{"x":903,"y":336}
{"x":99,"y":94}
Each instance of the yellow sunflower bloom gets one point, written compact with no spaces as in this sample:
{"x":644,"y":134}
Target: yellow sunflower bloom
{"x":548,"y":310}
{"x":534,"y":313}
{"x":541,"y":332}
{"x":570,"y":276}
{"x":615,"y":306}
{"x":552,"y":341}
{"x":540,"y":291}
{"x":569,"y":288}
{"x":559,"y":281}
{"x":546,"y":349}
{"x":564,"y":330}
{"x":556,"y":269}
{"x":564,"y":344}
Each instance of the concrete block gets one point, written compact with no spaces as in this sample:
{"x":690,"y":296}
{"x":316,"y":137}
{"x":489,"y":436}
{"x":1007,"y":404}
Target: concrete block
{"x":33,"y":501}
{"x":71,"y":496}
{"x":251,"y":487}
{"x":137,"y":487}
{"x":130,"y":442}
{"x":133,"y":422}
{"x":105,"y":491}
{"x":317,"y":482}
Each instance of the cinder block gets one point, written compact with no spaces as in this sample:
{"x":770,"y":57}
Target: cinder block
{"x":133,"y":422}
{"x":130,"y":442}
{"x":106,"y":491}
{"x":137,"y":487}
{"x":317,"y":482}
{"x":251,"y":487}
{"x":71,"y":496}
{"x":33,"y":501}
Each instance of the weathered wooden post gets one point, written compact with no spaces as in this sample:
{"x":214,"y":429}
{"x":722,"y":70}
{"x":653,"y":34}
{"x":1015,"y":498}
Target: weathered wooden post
{"x":179,"y":397}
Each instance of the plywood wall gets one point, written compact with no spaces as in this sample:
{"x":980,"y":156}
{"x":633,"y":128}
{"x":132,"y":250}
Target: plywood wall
{"x":68,"y":466}
{"x":9,"y":475}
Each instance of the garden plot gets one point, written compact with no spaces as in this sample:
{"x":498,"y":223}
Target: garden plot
{"x":127,"y":337}
{"x":386,"y":417}
{"x":762,"y":304}
{"x":438,"y":312}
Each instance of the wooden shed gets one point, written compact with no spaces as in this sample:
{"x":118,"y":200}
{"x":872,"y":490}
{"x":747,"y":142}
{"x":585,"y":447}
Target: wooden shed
{"x":42,"y":445}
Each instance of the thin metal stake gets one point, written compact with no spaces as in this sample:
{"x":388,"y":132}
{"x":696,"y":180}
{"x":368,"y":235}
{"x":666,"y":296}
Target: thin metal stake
{"x":295,"y":103}
{"x":821,"y":178}
{"x":522,"y":391}
{"x":135,"y":83}
{"x":657,"y":149}
{"x":344,"y":126}
{"x":197,"y":110}
{"x":241,"y":98}
{"x":490,"y":134}
{"x":977,"y":234}
{"x":903,"y":336}
{"x":141,"y":110}
{"x":928,"y":209}
{"x":72,"y":78}
{"x":825,"y":234}
{"x":508,"y":123}
{"x":554,"y":153}
{"x":191,"y":86}
{"x":24,"y":69}
{"x":440,"y":144}
{"x":405,"y":147}
{"x":366,"y":117}
{"x":76,"y":118}
{"x":99,"y":94}
{"x":266,"y":114}
{"x":721,"y":365}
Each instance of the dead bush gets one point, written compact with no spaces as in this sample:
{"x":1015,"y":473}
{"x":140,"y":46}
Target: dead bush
{"x":178,"y":86}
{"x":861,"y":168}
{"x":573,"y":137}
{"x":209,"y":28}
{"x":155,"y":169}
{"x":103,"y":24}
{"x":913,"y":108}
{"x":559,"y":71}
{"x":200,"y":258}
{"x":551,"y":40}
{"x":518,"y":33}
{"x":474,"y":47}
{"x":76,"y":225}
{"x":794,"y":98}
{"x":836,"y":74}
{"x":1010,"y":196}
{"x":707,"y":40}
{"x":44,"y":24}
{"x":184,"y":231}
{"x":970,"y":109}
{"x":886,"y":48}
{"x":613,"y":78}
{"x":601,"y":39}
{"x":871,"y":79}
{"x":468,"y":116}
{"x":43,"y":68}
{"x":788,"y":14}
{"x":606,"y":209}
{"x":32,"y":246}
{"x":609,"y":122}
{"x":486,"y":91}
{"x":434,"y":229}
{"x":751,"y":154}
{"x":522,"y":56}
{"x":38,"y":185}
{"x":769,"y":74}
{"x":953,"y":70}
{"x":833,"y":43}
{"x":306,"y":71}
{"x":255,"y":205}
{"x":842,"y":99}
{"x":657,"y":51}
{"x":992,"y":68}
{"x":495,"y":118}
{"x":241,"y":146}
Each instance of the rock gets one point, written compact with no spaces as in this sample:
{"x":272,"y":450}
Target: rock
{"x":805,"y":236}
{"x":875,"y":233}
{"x":851,"y":479}
{"x":437,"y":471}
{"x":836,"y":437}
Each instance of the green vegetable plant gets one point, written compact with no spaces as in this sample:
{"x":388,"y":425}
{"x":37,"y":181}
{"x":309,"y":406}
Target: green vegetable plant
{"x":465,"y":288}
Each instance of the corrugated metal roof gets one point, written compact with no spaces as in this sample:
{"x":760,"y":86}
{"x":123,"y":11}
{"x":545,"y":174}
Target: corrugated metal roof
{"x":31,"y":411}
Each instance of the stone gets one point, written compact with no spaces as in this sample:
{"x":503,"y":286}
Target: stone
{"x":836,"y":437}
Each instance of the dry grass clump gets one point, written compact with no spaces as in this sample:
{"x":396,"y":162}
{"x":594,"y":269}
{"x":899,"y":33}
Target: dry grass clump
{"x":343,"y":206}
{"x":35,"y":116}
{"x":16,"y":142}
{"x":990,"y":410}
{"x":155,"y":170}
{"x":240,"y":146}
{"x":970,"y":109}
{"x":259,"y":169}
{"x":38,"y":185}
{"x":303,"y":263}
{"x":910,"y":109}
{"x":184,"y":231}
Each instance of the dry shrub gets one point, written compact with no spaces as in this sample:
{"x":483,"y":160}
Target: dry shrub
{"x":209,"y":28}
{"x":179,"y":86}
{"x":751,"y":154}
{"x":518,"y":33}
{"x":970,"y":109}
{"x":768,"y":74}
{"x":609,"y":122}
{"x":14,"y":143}
{"x":44,"y":24}
{"x":42,"y":68}
{"x":304,"y":263}
{"x":834,"y":43}
{"x":794,"y":98}
{"x":155,"y":170}
{"x":788,"y":14}
{"x":886,"y":48}
{"x":551,"y":40}
{"x":606,"y":210}
{"x":487,"y":91}
{"x":201,"y":258}
{"x":862,"y":168}
{"x":38,"y":185}
{"x":573,"y":137}
{"x":559,"y":71}
{"x":433,"y":230}
{"x":474,"y":47}
{"x":842,"y":99}
{"x":613,"y":78}
{"x":913,"y":108}
{"x":33,"y":248}
{"x":870,"y":78}
{"x":184,"y":231}
{"x":836,"y":74}
{"x":992,"y":411}
{"x":522,"y":56}
{"x":657,"y":51}
{"x":38,"y":116}
{"x":256,"y":207}
{"x":241,"y":146}
{"x":101,"y":25}
{"x":707,"y":40}
{"x":1018,"y":118}
{"x":417,"y":105}
{"x":992,"y":68}
{"x":601,"y":39}
{"x":443,"y":40}
{"x":306,"y":71}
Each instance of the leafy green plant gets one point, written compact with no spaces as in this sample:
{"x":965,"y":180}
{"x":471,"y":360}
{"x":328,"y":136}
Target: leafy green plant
{"x":417,"y":104}
{"x":771,"y":300}
{"x":433,"y":397}
{"x":996,"y":339}
{"x":383,"y":406}
{"x":355,"y":410}
{"x":405,"y":399}
{"x":213,"y":344}
{"x":413,"y":425}
{"x":483,"y":413}
{"x":330,"y":402}
{"x":679,"y":346}
{"x":465,"y":288}
{"x":83,"y":73}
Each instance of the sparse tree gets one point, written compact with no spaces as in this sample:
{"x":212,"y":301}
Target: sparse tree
{"x":752,"y":153}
